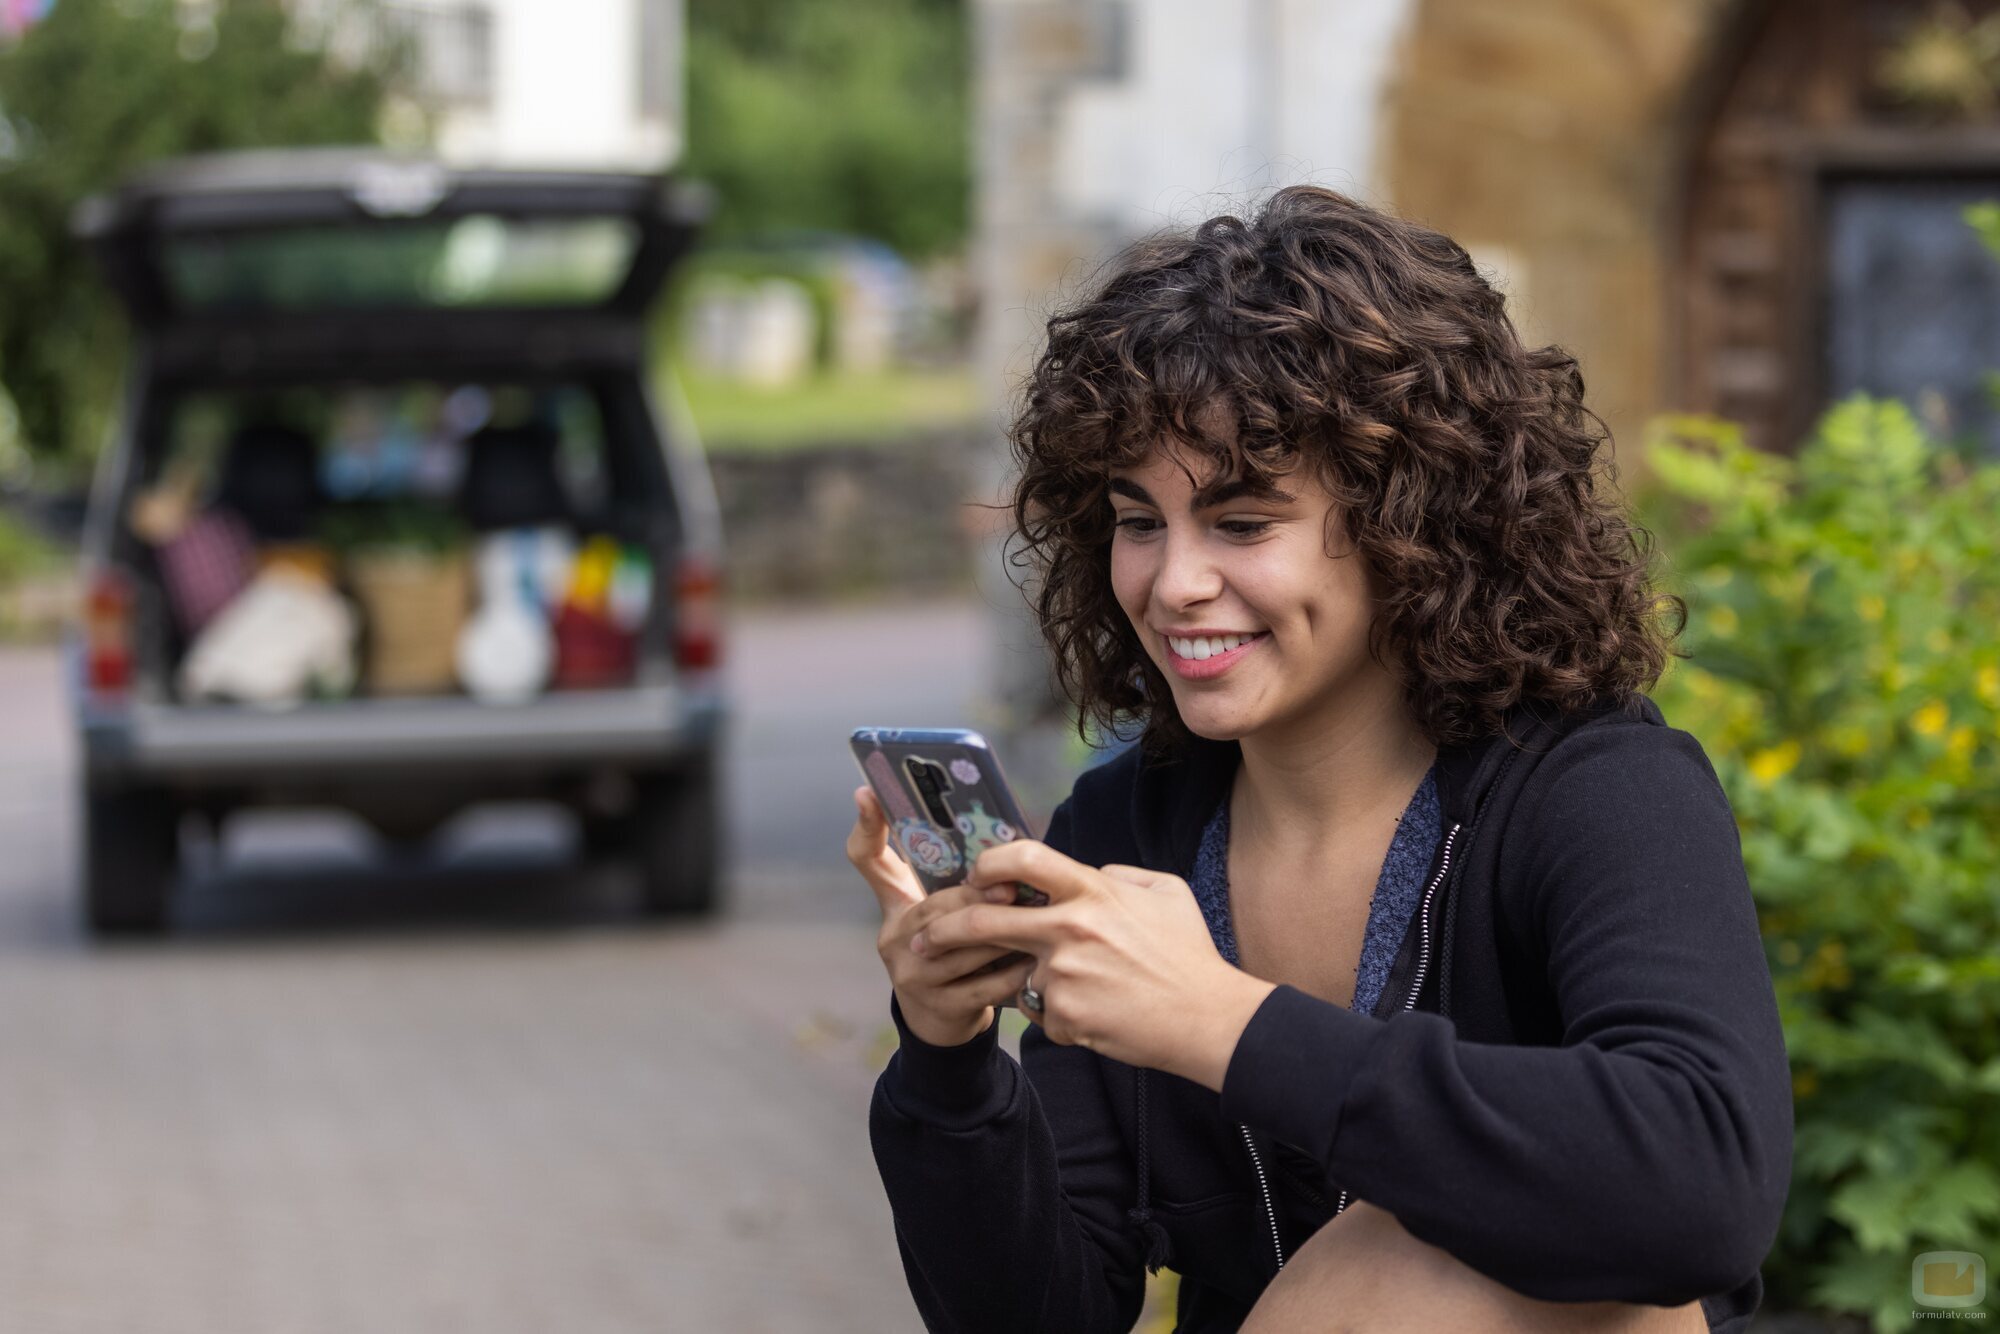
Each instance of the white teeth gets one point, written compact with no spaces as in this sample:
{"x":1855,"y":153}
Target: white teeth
{"x":1206,"y":646}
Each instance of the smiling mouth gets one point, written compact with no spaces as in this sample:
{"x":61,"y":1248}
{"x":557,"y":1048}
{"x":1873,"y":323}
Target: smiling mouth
{"x":1200,"y":648}
{"x":1205,"y":657}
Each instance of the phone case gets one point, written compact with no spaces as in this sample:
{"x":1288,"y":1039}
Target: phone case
{"x":944,"y":794}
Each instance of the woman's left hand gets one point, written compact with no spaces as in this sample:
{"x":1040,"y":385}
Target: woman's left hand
{"x":1124,"y":960}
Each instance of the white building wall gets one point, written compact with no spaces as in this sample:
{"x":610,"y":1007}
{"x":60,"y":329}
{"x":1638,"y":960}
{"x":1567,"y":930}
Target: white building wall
{"x":1220,"y":103}
{"x":566,"y":88}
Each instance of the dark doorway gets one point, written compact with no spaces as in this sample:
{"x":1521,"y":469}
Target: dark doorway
{"x":1913,"y":299}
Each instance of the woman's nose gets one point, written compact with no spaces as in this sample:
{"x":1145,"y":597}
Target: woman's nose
{"x":1187,"y":573}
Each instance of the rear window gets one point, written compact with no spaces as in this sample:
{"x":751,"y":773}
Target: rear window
{"x":478,"y":260}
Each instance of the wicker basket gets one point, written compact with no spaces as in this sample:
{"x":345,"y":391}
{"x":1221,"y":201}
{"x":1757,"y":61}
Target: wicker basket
{"x":414,"y":603}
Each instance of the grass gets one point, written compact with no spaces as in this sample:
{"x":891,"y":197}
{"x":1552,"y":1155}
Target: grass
{"x":829,"y":409}
{"x":33,"y":601}
{"x":24,"y":552}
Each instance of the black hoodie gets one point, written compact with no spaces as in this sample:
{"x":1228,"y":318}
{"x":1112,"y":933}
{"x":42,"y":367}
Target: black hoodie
{"x":1574,"y":1082}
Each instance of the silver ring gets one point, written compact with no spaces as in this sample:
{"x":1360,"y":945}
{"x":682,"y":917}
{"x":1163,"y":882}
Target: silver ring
{"x":1031,"y":999}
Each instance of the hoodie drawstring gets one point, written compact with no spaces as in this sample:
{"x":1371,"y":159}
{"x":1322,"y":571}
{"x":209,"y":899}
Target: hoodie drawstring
{"x":1140,"y":1216}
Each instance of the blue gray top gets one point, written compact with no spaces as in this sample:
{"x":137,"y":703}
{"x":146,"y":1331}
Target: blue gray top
{"x":1397,"y":890}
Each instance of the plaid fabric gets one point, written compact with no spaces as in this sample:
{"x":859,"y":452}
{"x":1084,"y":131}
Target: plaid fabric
{"x":206,"y":564}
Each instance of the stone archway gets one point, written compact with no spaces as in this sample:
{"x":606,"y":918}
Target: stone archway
{"x":1548,"y":137}
{"x":1746,"y":207}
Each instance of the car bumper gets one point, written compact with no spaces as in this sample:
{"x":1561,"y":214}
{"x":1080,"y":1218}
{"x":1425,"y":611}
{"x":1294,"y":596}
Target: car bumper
{"x":643,"y":727}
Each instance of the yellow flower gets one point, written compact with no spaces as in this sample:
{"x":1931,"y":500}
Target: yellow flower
{"x":1769,"y":765}
{"x":1715,"y":576}
{"x":1918,"y":818}
{"x":1723,"y":621}
{"x":1938,"y":640}
{"x":1987,"y":682}
{"x":1961,"y":741}
{"x":1786,"y":587}
{"x":1850,"y":740}
{"x":1804,"y":1083}
{"x":1930,"y":719}
{"x":1827,"y":967}
{"x":1897,"y":676}
{"x":1871,"y":607}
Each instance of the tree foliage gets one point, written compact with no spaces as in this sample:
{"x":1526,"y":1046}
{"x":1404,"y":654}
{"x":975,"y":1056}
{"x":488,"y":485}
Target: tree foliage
{"x":1844,"y":677}
{"x":96,"y":89}
{"x":852,"y":117}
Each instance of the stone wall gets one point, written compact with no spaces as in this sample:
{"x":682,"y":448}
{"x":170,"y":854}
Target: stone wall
{"x":846,"y":521}
{"x":1547,"y":137}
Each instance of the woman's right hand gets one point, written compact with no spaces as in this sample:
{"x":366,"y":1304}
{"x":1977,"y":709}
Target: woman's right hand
{"x":946,"y":999}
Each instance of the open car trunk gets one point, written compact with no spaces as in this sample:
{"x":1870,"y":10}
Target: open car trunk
{"x":449,"y":534}
{"x":389,"y":436}
{"x":253,"y":262}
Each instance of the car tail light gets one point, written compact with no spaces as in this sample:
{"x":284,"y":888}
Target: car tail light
{"x":697,"y":613}
{"x":107,"y":632}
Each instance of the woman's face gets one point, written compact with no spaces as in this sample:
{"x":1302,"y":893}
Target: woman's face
{"x":1233,"y":593}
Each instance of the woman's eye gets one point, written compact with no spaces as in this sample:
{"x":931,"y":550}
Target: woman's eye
{"x":1244,"y":527}
{"x":1138,"y":524}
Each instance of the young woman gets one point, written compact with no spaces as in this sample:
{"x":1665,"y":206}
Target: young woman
{"x":1407,"y":975}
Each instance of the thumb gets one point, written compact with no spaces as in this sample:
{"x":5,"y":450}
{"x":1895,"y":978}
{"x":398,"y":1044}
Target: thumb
{"x":895,"y":885}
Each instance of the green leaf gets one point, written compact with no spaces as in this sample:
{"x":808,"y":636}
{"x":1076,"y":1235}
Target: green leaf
{"x":1876,"y":1208}
{"x":1954,"y":1206}
{"x":1877,"y":1284}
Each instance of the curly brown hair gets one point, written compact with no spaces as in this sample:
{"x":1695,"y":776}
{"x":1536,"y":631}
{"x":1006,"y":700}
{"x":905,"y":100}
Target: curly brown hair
{"x":1368,"y":349}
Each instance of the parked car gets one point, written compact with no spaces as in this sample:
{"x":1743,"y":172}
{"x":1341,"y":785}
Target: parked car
{"x":391,"y":520}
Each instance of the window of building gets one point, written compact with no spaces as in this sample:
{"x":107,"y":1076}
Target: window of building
{"x":454,"y":49}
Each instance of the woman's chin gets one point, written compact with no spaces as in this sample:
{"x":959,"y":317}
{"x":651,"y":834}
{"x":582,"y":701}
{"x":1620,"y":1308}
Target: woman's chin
{"x":1213,"y":724}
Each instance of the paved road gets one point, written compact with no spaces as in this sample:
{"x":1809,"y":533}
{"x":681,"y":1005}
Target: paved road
{"x":477,"y":1095}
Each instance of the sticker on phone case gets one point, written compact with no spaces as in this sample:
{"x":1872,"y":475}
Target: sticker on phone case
{"x":982,"y":831}
{"x":965,"y":771}
{"x":888,"y":787}
{"x":928,"y":850}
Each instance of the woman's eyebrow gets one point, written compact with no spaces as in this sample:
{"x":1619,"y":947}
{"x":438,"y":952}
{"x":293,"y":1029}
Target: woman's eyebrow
{"x":1215,"y":493}
{"x":1221,"y":493}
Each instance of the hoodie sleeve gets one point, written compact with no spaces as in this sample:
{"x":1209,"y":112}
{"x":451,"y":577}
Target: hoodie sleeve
{"x":1008,"y":1181}
{"x":1647,"y":1158}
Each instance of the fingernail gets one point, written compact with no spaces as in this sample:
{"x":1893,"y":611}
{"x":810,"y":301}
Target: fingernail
{"x":999,"y":894}
{"x":917,"y":942}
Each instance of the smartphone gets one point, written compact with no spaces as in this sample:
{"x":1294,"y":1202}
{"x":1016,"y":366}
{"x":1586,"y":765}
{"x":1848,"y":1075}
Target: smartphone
{"x":945,"y":798}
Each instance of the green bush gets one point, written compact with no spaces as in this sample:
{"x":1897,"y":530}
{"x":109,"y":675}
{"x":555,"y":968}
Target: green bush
{"x":1844,"y":677}
{"x":24,"y":552}
{"x":99,"y":88}
{"x":854,"y":117}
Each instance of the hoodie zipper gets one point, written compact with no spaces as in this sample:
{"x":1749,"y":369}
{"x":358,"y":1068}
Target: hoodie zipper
{"x":1424,"y":932}
{"x":1423,"y":957}
{"x":1264,"y":1186}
